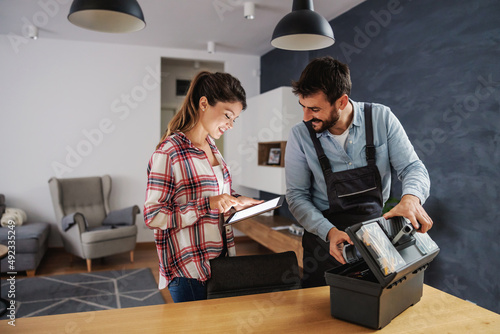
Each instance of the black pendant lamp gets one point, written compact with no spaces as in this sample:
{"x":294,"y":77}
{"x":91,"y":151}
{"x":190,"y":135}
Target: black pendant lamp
{"x":303,"y":29}
{"x":116,"y":16}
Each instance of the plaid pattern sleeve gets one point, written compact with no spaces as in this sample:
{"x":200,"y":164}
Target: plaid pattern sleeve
{"x":162,"y":210}
{"x":187,"y":232}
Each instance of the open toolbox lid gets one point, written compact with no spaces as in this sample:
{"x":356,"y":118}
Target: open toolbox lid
{"x":391,"y":248}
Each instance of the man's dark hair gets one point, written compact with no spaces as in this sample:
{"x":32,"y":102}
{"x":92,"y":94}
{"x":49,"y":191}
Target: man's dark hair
{"x":326,"y":75}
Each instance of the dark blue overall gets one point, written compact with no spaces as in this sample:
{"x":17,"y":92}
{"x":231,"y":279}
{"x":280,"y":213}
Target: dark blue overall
{"x":354,"y":196}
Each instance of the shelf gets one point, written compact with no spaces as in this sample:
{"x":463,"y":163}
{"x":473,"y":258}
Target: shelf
{"x":271,"y":154}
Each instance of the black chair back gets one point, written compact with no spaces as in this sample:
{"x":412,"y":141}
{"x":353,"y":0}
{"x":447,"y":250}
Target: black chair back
{"x":245,"y":275}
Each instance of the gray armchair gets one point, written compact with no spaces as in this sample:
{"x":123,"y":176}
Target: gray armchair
{"x":88,"y":228}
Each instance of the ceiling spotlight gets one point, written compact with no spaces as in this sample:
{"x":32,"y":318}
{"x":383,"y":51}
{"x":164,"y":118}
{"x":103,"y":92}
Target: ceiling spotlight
{"x":116,"y":16}
{"x":33,"y":32}
{"x":211,"y":47}
{"x":302,"y":29}
{"x":249,"y":10}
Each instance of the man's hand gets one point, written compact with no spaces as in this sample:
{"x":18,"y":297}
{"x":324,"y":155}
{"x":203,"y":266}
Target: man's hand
{"x":410,"y":207}
{"x":337,"y":239}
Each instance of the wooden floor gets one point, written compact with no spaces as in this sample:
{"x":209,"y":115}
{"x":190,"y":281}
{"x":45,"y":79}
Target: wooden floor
{"x":56,"y":261}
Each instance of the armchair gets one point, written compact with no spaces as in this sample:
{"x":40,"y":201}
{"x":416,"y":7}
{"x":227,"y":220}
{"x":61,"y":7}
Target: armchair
{"x":88,"y":228}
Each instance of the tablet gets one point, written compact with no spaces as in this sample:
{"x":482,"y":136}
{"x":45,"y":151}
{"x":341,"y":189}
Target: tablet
{"x":255,"y":210}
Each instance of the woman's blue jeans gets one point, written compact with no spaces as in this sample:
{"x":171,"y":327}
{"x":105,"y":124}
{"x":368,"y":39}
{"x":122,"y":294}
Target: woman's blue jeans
{"x":187,"y":289}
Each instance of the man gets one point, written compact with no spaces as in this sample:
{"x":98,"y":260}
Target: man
{"x":338,"y":166}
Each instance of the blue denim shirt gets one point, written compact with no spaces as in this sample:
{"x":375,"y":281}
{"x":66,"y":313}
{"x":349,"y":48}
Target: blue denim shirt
{"x":306,"y":188}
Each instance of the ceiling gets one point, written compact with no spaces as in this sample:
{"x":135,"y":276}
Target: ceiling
{"x":187,"y":24}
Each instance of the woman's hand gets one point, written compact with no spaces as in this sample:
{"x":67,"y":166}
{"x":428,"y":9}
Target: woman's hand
{"x":246,"y":202}
{"x":223,"y":202}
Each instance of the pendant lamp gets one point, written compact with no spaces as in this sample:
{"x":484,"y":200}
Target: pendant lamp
{"x":116,"y":16}
{"x":303,"y":29}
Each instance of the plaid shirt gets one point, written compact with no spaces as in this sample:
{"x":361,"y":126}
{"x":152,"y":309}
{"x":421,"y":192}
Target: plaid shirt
{"x":186,"y":230}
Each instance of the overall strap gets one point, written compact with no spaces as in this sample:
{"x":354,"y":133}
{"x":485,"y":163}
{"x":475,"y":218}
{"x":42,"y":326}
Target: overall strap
{"x":323,"y":160}
{"x":370,"y":148}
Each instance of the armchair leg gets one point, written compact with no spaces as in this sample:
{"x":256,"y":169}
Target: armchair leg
{"x":30,"y":273}
{"x":89,"y":265}
{"x":132,"y":256}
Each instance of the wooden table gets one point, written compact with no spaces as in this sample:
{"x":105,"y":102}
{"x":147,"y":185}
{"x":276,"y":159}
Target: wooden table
{"x":296,"y":311}
{"x":260,"y":229}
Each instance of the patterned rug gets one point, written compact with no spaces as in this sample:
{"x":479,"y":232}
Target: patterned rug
{"x":100,"y":290}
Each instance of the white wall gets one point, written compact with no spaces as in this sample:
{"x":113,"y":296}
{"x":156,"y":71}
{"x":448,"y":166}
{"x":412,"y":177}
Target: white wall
{"x":56,"y":94}
{"x":269,"y":118}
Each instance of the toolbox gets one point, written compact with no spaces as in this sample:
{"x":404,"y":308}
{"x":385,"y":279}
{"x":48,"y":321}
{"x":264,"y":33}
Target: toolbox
{"x":384,"y":274}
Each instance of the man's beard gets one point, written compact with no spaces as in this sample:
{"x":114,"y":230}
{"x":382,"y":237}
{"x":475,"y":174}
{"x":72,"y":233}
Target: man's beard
{"x":325,"y":124}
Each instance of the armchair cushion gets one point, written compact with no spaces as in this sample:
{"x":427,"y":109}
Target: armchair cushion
{"x":84,"y":195}
{"x":99,"y":235}
{"x":122,"y":217}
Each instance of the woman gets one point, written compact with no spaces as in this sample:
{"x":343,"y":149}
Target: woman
{"x":189,"y":186}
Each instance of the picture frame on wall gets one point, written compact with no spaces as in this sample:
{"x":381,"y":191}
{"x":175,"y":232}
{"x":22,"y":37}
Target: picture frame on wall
{"x":274,"y":156}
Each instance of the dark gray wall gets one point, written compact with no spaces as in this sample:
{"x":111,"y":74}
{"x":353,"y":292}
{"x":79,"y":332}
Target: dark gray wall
{"x":436,"y":64}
